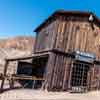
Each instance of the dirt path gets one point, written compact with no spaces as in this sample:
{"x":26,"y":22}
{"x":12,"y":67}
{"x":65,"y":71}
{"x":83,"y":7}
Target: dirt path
{"x":25,"y":94}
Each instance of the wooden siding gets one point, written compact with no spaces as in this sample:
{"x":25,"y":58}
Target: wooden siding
{"x":58,"y":70}
{"x":94,"y":80}
{"x":78,"y":35}
{"x":45,"y":39}
{"x":69,"y":34}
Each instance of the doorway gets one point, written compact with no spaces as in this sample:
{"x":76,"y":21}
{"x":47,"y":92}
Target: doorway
{"x":35,"y":70}
{"x":79,"y":75}
{"x":39,"y":71}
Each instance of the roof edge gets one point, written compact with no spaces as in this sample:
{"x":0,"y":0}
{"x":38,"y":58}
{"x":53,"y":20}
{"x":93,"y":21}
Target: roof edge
{"x":61,"y":12}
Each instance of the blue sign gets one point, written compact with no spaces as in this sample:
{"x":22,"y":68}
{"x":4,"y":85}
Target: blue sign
{"x":84,"y":56}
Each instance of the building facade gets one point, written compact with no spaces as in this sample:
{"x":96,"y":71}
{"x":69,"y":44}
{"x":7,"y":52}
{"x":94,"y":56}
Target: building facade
{"x":66,"y":55}
{"x":72,"y":41}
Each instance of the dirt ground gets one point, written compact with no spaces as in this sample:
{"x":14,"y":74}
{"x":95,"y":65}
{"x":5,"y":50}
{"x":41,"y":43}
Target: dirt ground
{"x":26,"y":94}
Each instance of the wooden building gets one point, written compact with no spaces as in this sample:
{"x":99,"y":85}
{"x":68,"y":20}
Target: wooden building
{"x":73,"y":40}
{"x":67,"y":52}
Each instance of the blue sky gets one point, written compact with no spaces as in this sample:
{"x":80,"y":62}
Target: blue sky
{"x":21,"y":17}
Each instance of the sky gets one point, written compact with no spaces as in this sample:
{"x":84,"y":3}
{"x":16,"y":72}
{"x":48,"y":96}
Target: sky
{"x":21,"y":17}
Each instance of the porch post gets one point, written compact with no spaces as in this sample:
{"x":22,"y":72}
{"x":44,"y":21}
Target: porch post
{"x":70,"y":74}
{"x":4,"y":75}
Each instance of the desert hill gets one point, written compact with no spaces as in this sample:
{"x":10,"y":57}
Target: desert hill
{"x":19,"y":43}
{"x":15,"y":47}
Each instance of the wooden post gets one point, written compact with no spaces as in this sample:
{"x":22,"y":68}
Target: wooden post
{"x":11,"y":82}
{"x":70,"y":75}
{"x":4,"y":73}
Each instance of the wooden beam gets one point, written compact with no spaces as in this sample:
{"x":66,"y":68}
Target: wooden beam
{"x":5,"y":70}
{"x":43,"y":51}
{"x":28,"y":57}
{"x":38,"y":55}
{"x":24,"y":77}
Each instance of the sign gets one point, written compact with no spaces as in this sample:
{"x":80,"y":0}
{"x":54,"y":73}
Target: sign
{"x":84,"y":56}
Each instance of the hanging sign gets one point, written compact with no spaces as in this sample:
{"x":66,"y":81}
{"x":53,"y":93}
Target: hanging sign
{"x":84,"y":56}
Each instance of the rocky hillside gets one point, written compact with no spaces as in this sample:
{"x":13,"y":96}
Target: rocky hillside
{"x":15,"y":47}
{"x":18,"y":43}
